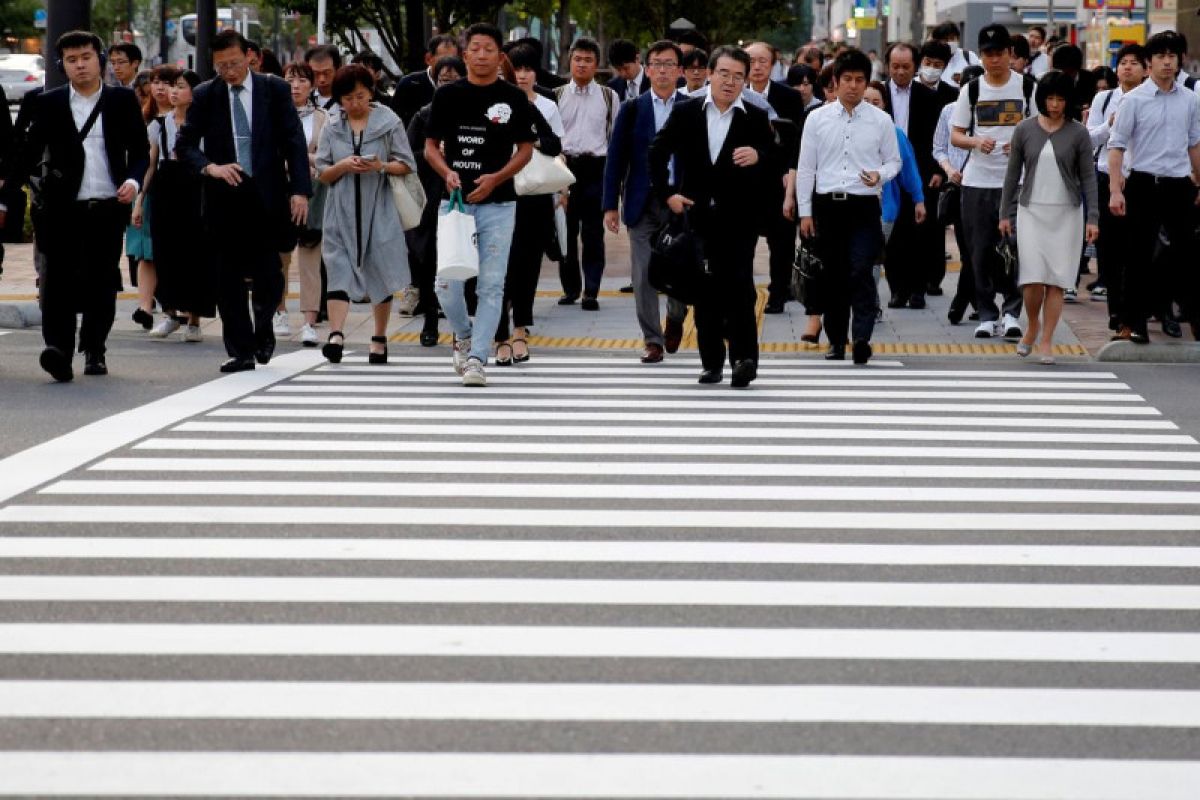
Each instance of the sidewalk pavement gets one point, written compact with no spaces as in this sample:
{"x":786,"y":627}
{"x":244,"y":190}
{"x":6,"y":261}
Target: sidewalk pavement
{"x":614,"y":326}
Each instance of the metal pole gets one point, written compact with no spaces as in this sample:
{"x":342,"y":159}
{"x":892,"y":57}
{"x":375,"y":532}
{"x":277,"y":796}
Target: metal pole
{"x":1050,"y":18}
{"x":63,"y":16}
{"x":164,"y":46}
{"x":320,"y":21}
{"x":206,"y":28}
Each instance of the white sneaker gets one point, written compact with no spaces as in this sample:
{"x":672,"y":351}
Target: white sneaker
{"x":986,"y":330}
{"x":462,"y":347}
{"x":308,"y":336}
{"x":165,"y":327}
{"x":1011,"y":327}
{"x":1070,"y":295}
{"x":279,"y":324}
{"x":410,"y":297}
{"x":192,"y":333}
{"x":472,"y":373}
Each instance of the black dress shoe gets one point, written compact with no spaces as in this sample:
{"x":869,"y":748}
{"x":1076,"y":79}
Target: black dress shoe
{"x":973,"y":316}
{"x":1139,"y":336}
{"x":1172,"y":328}
{"x":141,"y":317}
{"x":897,"y":302}
{"x":589,"y":304}
{"x":862,"y":351}
{"x":744,"y":371}
{"x":93,"y":364}
{"x":917,"y":301}
{"x":568,"y":299}
{"x":57,"y":363}
{"x":934,"y":291}
{"x":429,"y":338}
{"x":711,"y":376}
{"x":263,"y":354}
{"x":238,"y":365}
{"x":955,"y":315}
{"x":836,"y":352}
{"x":627,"y":289}
{"x":773,"y":307}
{"x":1114,"y":322}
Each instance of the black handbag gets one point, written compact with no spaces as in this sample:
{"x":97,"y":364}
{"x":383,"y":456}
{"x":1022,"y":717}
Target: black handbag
{"x":1006,"y":256}
{"x":807,"y":273}
{"x":949,"y":204}
{"x":677,"y":263}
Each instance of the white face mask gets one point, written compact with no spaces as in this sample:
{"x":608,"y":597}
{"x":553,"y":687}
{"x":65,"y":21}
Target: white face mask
{"x":930,"y":74}
{"x":954,"y":48}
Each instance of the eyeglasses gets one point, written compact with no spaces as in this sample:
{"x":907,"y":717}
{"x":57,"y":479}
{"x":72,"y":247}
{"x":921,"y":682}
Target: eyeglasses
{"x":229,"y":66}
{"x":726,"y":76}
{"x":662,"y":65}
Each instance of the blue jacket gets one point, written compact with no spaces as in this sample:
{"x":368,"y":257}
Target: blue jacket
{"x":909,"y":180}
{"x":627,"y":169}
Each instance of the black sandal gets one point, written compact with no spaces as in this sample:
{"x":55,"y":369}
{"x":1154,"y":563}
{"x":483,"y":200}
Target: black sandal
{"x":504,"y":362}
{"x":520,"y":359}
{"x":378,"y":358}
{"x":331,"y":351}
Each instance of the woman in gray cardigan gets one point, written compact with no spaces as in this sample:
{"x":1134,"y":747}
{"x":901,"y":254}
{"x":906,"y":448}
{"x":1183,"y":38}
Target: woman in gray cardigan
{"x":1055,"y":154}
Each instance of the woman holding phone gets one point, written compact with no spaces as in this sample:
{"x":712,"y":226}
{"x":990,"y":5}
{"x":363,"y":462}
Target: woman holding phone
{"x":363,"y":241}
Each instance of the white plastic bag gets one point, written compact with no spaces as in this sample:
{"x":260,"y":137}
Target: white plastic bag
{"x":457,"y":242}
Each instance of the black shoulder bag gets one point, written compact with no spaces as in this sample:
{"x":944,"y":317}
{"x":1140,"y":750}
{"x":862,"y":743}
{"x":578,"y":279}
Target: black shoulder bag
{"x":677,"y":263}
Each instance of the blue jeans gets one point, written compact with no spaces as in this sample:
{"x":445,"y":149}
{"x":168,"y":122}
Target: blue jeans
{"x":494,"y":224}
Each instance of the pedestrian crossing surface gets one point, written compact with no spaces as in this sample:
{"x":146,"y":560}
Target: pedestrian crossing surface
{"x":601,"y":579}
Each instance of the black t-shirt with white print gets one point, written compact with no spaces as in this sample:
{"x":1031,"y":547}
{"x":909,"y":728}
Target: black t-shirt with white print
{"x":478,"y":127}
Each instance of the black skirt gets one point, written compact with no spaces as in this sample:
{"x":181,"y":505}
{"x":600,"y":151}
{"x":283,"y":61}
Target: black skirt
{"x":185,"y":279}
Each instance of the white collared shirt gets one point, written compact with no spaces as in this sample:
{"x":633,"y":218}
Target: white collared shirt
{"x":718,"y":124}
{"x":1098,"y":128}
{"x":1157,"y":128}
{"x":901,"y":99}
{"x":97,"y":179}
{"x":837,"y":145}
{"x":585,"y":120}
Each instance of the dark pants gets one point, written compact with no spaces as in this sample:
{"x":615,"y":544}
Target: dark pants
{"x":83,"y":274}
{"x":725,"y":308}
{"x":931,"y":241}
{"x":245,"y":244}
{"x":1153,"y":204}
{"x":532,"y":229}
{"x":1112,"y":254}
{"x":964,"y":293}
{"x":585,"y":221}
{"x":981,"y":229}
{"x":903,"y":261}
{"x":849,"y":238}
{"x":781,"y":242}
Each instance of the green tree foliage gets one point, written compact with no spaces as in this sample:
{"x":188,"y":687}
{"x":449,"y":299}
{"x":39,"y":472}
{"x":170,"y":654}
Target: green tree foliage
{"x":16,"y":17}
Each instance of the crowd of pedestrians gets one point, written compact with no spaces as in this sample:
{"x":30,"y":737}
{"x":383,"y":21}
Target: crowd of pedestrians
{"x":215,"y":189}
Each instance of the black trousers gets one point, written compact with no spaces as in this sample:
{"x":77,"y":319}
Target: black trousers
{"x":849,"y":237}
{"x":725,"y":308}
{"x":245,"y":235}
{"x":585,"y":226}
{"x":1153,"y":204}
{"x":83,"y":273}
{"x":903,"y":265}
{"x":931,"y":241}
{"x":1112,"y":249}
{"x":531,"y":231}
{"x":780,"y":233}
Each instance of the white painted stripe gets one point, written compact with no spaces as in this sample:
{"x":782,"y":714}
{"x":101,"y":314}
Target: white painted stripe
{"x":367,"y":396}
{"x":579,"y":449}
{"x":658,"y":469}
{"x":46,"y":461}
{"x":593,"y":551}
{"x":702,"y":493}
{"x":397,"y":516}
{"x":649,"y":395}
{"x":591,"y":775}
{"x":592,"y":702}
{"x":549,"y":641}
{"x":545,"y":358}
{"x":607,"y":592}
{"x":466,"y":428}
{"x":674,"y":417}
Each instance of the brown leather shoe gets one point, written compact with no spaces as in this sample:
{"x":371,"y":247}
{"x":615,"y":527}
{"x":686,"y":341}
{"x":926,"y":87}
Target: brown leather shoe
{"x":1124,"y":333}
{"x":673,"y":335}
{"x":653,"y":354}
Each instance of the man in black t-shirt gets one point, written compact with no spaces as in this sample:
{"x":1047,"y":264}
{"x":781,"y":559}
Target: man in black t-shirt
{"x":479,"y":121}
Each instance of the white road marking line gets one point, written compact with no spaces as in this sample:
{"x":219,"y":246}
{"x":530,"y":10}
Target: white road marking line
{"x":699,"y":777}
{"x":404,"y":516}
{"x":675,"y":418}
{"x":594,"y":551}
{"x":588,"y":702}
{"x":658,"y":469}
{"x":550,"y":641}
{"x":605,"y":592}
{"x":580,"y":449}
{"x":46,"y":461}
{"x":508,"y":432}
{"x":866,"y":495}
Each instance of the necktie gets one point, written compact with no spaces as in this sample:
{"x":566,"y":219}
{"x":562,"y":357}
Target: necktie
{"x":241,"y":130}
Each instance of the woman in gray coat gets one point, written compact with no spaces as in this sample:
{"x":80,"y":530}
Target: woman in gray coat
{"x":1055,"y":154}
{"x":363,"y":241}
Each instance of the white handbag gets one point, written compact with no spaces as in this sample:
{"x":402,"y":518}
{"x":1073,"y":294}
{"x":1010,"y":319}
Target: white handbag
{"x":409,"y":197}
{"x":457,"y":248}
{"x":543,"y":175}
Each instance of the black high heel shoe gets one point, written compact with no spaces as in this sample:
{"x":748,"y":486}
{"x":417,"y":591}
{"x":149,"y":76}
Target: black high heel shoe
{"x":378,"y":358}
{"x":331,"y":351}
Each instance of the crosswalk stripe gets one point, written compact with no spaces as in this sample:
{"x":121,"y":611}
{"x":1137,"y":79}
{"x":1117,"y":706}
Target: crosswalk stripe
{"x":660,"y":469}
{"x":616,"y":702}
{"x":405,"y":516}
{"x":594,"y":551}
{"x":548,"y":430}
{"x":307,"y":774}
{"x":548,"y":641}
{"x":676,"y":418}
{"x":269,"y":589}
{"x":617,"y":491}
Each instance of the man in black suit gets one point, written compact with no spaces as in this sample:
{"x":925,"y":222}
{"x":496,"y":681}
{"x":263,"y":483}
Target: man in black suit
{"x":932,"y":232}
{"x":630,"y":79}
{"x":915,"y":110}
{"x":724,"y":153}
{"x":96,"y":151}
{"x":252,"y":151}
{"x":415,"y":90}
{"x":779,"y":230}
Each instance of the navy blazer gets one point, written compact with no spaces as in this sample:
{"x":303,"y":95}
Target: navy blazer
{"x":621,"y":86}
{"x":279,"y":153}
{"x":627,"y":168}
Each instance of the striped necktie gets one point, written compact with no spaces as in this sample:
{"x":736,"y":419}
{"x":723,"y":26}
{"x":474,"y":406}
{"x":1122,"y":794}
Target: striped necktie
{"x":241,"y":130}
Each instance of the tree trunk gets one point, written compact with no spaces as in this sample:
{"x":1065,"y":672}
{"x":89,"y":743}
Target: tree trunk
{"x":564,"y":35}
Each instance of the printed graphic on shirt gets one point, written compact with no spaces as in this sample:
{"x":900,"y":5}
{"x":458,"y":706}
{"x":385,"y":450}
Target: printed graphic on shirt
{"x":999,"y":113}
{"x":499,"y":113}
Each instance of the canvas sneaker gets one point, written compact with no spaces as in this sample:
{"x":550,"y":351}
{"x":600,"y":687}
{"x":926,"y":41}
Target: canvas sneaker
{"x":165,"y":327}
{"x":986,"y":330}
{"x":308,"y":336}
{"x":1011,"y":327}
{"x":279,"y":324}
{"x":410,"y":297}
{"x":472,"y":373}
{"x":192,"y":333}
{"x":462,"y":347}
